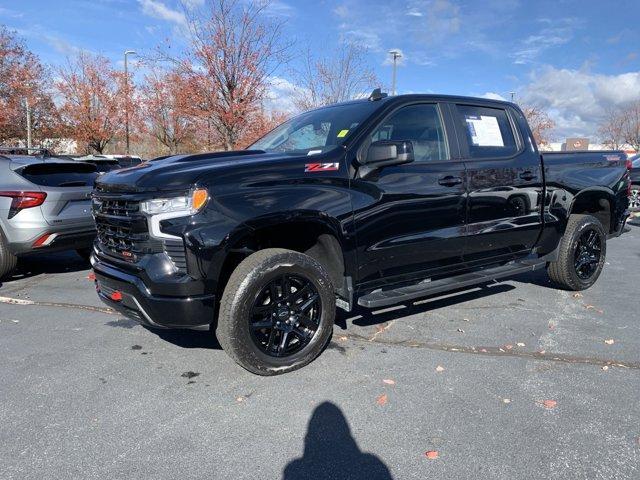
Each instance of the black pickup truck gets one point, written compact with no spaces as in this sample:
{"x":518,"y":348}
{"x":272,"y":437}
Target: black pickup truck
{"x":371,"y":203}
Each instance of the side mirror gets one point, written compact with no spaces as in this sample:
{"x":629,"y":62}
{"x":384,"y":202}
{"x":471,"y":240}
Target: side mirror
{"x":384,"y":153}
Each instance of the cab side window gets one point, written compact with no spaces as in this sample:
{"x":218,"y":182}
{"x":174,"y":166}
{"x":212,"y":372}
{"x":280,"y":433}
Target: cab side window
{"x":421,"y":124}
{"x":488,"y":131}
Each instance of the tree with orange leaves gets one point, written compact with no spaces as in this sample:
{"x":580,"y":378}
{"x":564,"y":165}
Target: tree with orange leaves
{"x":233,"y":49}
{"x":540,"y":123}
{"x":93,"y":101}
{"x":23,"y":81}
{"x":165,"y":106}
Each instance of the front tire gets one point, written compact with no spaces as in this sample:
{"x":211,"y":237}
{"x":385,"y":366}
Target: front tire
{"x":581,"y":254}
{"x":277,"y":312}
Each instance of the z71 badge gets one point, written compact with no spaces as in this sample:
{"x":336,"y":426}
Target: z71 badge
{"x":321,"y":167}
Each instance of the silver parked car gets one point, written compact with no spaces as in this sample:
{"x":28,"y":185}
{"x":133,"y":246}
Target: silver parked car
{"x":45,"y":205}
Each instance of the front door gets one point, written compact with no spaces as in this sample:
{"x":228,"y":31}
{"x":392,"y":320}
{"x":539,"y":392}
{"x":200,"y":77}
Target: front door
{"x":505,"y":184}
{"x":410,"y":219}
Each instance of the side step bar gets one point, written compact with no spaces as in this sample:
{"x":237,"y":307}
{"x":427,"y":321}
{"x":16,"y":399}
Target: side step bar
{"x":384,"y":298}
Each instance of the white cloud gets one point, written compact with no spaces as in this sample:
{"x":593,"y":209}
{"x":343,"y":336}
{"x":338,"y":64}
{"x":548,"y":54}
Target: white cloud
{"x":280,"y":95}
{"x":193,"y":4}
{"x":341,"y":11}
{"x":157,"y":9}
{"x":277,"y":8}
{"x":578,"y":100}
{"x":493,"y":96}
{"x":554,"y":33}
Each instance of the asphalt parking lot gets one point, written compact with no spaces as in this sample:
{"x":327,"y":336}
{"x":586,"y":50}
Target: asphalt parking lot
{"x":512,"y":380}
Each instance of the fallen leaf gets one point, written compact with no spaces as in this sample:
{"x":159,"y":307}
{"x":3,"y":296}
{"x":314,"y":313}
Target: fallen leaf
{"x":506,"y":400}
{"x":240,"y":399}
{"x":610,"y":341}
{"x":343,"y":338}
{"x":577,"y":295}
{"x":605,"y":368}
{"x":483,"y":350}
{"x":388,"y":381}
{"x":380,"y":328}
{"x":520,"y":344}
{"x":382,"y":399}
{"x":549,"y":404}
{"x":439,"y":368}
{"x":591,"y":307}
{"x":431,"y":454}
{"x":542,"y":352}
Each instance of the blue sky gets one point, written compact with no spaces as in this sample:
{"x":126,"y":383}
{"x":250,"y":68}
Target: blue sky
{"x":574,"y":58}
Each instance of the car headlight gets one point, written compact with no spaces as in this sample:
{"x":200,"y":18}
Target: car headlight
{"x":187,"y":204}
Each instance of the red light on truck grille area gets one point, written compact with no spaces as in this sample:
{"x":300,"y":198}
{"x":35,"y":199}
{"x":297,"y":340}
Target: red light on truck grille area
{"x":116,"y":296}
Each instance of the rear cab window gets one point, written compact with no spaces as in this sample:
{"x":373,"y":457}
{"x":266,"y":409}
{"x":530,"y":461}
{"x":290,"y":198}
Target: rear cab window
{"x":488,"y":131}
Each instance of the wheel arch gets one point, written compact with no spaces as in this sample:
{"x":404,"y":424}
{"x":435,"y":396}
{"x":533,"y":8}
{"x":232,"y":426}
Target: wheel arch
{"x":316,"y":235}
{"x":596,"y":201}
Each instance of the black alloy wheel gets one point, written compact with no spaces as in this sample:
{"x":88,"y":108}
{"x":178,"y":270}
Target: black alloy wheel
{"x":587,"y":255}
{"x":285,"y":315}
{"x":277,"y":311}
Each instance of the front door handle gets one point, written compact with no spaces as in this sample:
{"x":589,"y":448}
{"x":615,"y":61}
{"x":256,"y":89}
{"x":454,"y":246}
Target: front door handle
{"x":528,"y":176}
{"x":450,"y":181}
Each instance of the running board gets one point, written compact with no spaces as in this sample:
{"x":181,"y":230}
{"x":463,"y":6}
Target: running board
{"x":384,"y":298}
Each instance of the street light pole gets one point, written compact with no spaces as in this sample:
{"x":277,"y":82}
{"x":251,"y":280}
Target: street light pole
{"x":28,"y":108}
{"x":126,"y":100}
{"x":396,"y":55}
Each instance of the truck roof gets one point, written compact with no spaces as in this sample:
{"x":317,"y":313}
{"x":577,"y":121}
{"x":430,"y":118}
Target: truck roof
{"x":429,"y":97}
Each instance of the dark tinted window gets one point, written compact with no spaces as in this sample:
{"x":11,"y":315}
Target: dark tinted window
{"x":60,"y":174}
{"x":635,"y":161}
{"x":488,"y":131}
{"x":421,"y":125}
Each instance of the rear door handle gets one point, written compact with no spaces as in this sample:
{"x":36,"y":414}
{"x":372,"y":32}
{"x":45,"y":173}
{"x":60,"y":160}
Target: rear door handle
{"x":528,"y":176}
{"x":450,"y":181}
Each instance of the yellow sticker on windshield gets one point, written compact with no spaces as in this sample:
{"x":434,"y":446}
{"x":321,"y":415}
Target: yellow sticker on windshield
{"x":342,"y":133}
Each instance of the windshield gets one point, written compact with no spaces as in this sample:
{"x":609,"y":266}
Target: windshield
{"x":317,"y":131}
{"x":635,"y":161}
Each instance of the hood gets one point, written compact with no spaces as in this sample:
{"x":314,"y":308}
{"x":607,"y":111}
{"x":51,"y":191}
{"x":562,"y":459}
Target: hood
{"x":181,"y":171}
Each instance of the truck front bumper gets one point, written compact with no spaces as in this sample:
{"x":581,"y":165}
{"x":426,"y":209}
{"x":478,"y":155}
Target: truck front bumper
{"x":127,"y":294}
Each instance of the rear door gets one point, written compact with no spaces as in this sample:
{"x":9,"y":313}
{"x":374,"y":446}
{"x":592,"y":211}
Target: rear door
{"x":505,"y":183}
{"x":410,"y":219}
{"x":68,"y":187}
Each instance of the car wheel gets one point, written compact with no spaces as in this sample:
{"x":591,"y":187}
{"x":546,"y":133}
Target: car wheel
{"x":634,"y":201}
{"x":581,"y":254}
{"x":8,"y":261}
{"x":276,"y":312}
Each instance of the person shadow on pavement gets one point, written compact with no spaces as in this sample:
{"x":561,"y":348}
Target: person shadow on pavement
{"x":330,"y":452}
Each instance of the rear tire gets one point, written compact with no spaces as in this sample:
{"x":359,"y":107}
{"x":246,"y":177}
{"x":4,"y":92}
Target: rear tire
{"x":8,"y":261}
{"x":276,"y":294}
{"x":581,"y":254}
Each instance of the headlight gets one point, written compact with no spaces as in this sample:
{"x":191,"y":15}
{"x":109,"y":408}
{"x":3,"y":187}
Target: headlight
{"x":188,"y":204}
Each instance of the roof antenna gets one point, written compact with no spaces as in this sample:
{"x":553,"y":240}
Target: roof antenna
{"x":377,"y":95}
